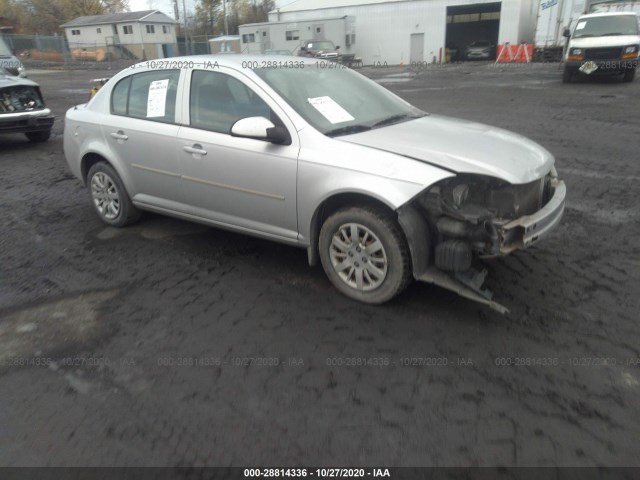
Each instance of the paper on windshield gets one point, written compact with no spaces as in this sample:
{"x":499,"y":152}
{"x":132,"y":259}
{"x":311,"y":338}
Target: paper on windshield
{"x":157,"y":100}
{"x":330,"y":110}
{"x":580,"y":25}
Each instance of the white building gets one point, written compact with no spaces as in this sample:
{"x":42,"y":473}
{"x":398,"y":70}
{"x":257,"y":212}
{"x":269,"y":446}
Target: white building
{"x":404,"y":31}
{"x":141,"y":35}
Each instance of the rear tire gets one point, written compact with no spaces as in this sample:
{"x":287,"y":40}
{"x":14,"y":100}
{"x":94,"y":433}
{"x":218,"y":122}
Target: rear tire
{"x":364,"y":254}
{"x":41,"y":136}
{"x":629,"y":75}
{"x":109,"y":197}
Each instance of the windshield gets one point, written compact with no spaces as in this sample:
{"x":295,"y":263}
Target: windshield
{"x":607,"y":25}
{"x":320,"y":46}
{"x":4,"y":49}
{"x":337,"y":101}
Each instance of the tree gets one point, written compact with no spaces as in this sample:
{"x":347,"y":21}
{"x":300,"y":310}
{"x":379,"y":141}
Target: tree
{"x":210,"y":17}
{"x":208,"y":12}
{"x":44,"y":17}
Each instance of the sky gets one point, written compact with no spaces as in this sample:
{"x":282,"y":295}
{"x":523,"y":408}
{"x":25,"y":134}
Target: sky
{"x":166,"y":6}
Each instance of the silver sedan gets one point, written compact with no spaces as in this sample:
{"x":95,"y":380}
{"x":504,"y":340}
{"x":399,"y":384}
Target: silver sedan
{"x":309,"y":153}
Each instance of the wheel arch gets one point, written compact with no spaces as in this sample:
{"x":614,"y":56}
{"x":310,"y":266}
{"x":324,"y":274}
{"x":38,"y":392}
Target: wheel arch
{"x":412,"y":224}
{"x":90,"y":158}
{"x":88,"y":161}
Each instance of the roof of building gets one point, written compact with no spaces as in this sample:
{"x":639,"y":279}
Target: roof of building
{"x":115,"y":18}
{"x":289,"y":22}
{"x":298,"y":5}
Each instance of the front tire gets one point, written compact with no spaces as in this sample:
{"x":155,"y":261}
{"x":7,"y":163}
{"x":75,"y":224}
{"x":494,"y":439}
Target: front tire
{"x":109,"y":197}
{"x":629,"y":75}
{"x":567,"y":76}
{"x":365,"y":255}
{"x":41,"y":136}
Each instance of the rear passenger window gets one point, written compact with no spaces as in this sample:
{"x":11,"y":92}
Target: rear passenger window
{"x":148,"y":95}
{"x":119,"y":97}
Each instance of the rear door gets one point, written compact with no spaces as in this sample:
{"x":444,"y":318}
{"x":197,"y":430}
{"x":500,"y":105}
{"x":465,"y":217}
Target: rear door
{"x":142,"y":132}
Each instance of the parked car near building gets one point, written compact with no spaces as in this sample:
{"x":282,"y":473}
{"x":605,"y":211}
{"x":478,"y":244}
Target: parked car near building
{"x":324,"y":49}
{"x":480,"y":50}
{"x":310,"y":153}
{"x":22,"y":108}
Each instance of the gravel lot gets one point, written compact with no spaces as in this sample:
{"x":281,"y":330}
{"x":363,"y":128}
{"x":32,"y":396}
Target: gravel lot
{"x":127,"y":347}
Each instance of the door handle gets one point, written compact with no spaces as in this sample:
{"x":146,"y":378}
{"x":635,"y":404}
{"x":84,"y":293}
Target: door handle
{"x":195,"y":149}
{"x":119,"y":135}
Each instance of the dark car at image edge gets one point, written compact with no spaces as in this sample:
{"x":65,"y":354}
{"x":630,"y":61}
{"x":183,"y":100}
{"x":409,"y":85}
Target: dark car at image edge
{"x":22,"y":108}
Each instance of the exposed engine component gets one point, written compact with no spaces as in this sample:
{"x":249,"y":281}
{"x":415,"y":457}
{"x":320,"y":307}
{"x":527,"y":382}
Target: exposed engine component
{"x":453,"y":256}
{"x":20,"y":99}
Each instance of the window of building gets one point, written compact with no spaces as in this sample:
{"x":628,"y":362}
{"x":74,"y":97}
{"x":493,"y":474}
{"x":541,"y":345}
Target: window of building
{"x":75,"y":32}
{"x":165,"y":29}
{"x":98,"y":30}
{"x":130,"y":97}
{"x":127,"y":29}
{"x":151,"y":29}
{"x":293,"y":35}
{"x":248,"y":38}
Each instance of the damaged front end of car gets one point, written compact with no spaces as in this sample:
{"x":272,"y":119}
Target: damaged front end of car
{"x":22,"y":108}
{"x":470,"y":217}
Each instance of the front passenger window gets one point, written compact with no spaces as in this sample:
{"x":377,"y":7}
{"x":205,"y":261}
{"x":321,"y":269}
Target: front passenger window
{"x":217,"y":101}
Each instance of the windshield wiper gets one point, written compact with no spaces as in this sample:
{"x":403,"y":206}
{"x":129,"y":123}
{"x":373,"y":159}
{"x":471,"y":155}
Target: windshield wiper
{"x":395,"y":118}
{"x":346,"y":130}
{"x":614,"y":34}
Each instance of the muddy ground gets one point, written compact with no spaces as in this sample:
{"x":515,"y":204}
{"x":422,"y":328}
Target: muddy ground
{"x":129,"y":347}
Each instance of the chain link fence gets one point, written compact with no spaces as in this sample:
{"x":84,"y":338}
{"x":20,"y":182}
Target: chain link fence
{"x":56,"y":52}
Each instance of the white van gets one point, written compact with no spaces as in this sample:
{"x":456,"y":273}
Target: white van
{"x":603,"y":43}
{"x":9,"y":61}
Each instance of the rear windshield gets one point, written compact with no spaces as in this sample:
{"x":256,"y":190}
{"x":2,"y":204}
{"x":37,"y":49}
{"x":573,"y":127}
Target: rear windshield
{"x":606,"y":26}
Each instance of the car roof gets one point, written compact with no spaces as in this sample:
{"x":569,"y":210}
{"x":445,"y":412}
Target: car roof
{"x":232,"y":60}
{"x":608,"y":14}
{"x":8,"y":80}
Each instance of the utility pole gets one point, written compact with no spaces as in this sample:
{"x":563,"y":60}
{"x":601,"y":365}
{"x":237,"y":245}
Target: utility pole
{"x":224,"y":11}
{"x":187,"y":47}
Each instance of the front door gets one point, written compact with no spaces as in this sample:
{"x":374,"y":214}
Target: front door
{"x":241,"y":182}
{"x":318,"y":31}
{"x":417,"y":48}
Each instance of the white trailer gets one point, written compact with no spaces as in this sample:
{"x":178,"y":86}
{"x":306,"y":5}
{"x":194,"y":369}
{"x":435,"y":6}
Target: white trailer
{"x":619,"y":6}
{"x":256,"y":38}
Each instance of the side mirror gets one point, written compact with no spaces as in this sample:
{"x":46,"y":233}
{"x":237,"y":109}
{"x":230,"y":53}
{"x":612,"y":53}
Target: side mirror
{"x":259,"y":128}
{"x":566,"y":33}
{"x":337,"y":47}
{"x":303,"y":48}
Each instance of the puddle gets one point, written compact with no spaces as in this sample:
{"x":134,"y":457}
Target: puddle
{"x":396,"y":78}
{"x":50,"y":328}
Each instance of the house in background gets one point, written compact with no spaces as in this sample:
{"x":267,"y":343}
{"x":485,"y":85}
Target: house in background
{"x":144,"y":35}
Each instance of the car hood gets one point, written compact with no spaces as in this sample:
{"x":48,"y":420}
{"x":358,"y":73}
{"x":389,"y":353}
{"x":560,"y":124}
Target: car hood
{"x":462,"y":147}
{"x":11,"y":81}
{"x":595,"y":42}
